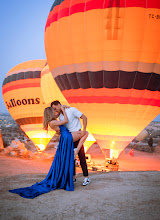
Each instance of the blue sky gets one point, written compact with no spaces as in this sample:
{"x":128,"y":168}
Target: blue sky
{"x":22,"y":25}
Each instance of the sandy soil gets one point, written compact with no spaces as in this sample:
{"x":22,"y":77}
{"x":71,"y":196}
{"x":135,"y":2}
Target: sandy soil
{"x":126,"y":195}
{"x":116,"y":195}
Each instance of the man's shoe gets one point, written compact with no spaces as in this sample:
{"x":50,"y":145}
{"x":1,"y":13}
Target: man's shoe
{"x":86,"y":181}
{"x":74,"y":181}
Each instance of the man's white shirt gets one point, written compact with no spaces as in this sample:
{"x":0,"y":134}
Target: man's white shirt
{"x":73,"y":116}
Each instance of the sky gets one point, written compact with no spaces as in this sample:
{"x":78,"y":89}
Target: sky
{"x":22,"y":24}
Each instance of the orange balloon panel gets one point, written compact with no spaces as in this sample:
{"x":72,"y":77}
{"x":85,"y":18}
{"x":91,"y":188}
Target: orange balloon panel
{"x":105,"y":57}
{"x":23,"y":99}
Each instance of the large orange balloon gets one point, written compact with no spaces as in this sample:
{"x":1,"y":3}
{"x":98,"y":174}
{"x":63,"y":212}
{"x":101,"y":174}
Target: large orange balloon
{"x":23,"y":99}
{"x":105,"y":57}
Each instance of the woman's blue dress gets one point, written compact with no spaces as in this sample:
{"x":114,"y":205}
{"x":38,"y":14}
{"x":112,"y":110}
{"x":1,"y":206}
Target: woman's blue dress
{"x":60,"y":175}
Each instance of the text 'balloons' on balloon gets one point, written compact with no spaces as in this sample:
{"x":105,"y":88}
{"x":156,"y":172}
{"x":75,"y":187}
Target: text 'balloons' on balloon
{"x":51,"y":92}
{"x":23,"y":99}
{"x":106,"y":62}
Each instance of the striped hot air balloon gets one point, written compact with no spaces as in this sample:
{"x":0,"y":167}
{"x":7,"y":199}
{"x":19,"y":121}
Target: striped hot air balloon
{"x":105,"y":57}
{"x":23,"y":99}
{"x":51,"y":92}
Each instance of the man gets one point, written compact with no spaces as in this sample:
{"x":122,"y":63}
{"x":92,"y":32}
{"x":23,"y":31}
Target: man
{"x":74,"y":124}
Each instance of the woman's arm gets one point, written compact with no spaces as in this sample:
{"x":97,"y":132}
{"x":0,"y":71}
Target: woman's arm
{"x":55,"y":122}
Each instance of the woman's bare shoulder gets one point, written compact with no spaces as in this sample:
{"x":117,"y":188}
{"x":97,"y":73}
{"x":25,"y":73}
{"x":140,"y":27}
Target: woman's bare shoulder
{"x":53,"y":125}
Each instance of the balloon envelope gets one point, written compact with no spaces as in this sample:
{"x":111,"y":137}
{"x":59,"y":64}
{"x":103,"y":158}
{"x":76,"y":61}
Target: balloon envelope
{"x":105,"y":57}
{"x":23,"y":99}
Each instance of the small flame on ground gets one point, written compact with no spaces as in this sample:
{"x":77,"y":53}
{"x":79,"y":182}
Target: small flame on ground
{"x":114,"y":153}
{"x":41,"y":147}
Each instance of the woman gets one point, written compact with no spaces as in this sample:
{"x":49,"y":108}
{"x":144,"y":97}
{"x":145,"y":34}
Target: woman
{"x":60,"y":175}
{"x":50,"y":118}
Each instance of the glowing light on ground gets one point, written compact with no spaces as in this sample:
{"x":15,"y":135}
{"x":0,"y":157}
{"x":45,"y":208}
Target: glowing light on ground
{"x":40,"y":138}
{"x":41,"y":147}
{"x":114,"y":153}
{"x":42,"y":135}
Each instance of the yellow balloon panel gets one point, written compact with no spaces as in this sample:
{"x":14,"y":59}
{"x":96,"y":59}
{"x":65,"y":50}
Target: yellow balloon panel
{"x":49,"y":88}
{"x":124,"y":119}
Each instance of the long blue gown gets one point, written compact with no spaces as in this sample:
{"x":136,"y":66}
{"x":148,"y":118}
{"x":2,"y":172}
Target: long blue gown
{"x":60,"y":175}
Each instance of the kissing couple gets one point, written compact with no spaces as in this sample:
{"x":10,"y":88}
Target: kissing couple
{"x":62,"y":172}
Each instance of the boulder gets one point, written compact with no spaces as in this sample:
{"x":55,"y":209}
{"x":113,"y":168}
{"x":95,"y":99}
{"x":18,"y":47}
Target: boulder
{"x":144,"y":148}
{"x":157,"y":148}
{"x":12,"y":154}
{"x":9,"y":148}
{"x":5,"y":151}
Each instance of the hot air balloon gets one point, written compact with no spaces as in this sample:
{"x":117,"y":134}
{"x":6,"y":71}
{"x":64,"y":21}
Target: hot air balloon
{"x":105,"y":57}
{"x":23,"y":99}
{"x":51,"y":92}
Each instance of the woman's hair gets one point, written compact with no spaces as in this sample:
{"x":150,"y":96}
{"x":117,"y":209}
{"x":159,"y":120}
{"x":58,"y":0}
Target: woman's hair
{"x":48,"y":116}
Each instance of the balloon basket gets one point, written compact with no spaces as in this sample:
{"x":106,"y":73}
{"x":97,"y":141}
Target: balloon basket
{"x":111,"y":164}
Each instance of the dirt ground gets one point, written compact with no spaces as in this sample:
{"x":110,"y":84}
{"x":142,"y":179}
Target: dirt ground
{"x":132,"y":193}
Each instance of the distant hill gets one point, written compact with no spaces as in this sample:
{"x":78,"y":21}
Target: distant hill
{"x":4,"y":114}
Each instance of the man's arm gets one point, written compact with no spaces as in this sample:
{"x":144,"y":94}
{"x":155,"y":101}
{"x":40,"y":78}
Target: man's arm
{"x":84,"y":118}
{"x":80,"y":115}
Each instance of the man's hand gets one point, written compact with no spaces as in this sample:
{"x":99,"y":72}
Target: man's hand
{"x":66,"y":106}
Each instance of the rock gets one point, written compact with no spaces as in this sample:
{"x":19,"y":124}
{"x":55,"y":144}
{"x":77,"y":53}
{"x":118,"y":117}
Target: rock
{"x":29,"y":154}
{"x":9,"y":148}
{"x":157,"y":149}
{"x":12,"y":154}
{"x":30,"y":146}
{"x":22,"y":152}
{"x":5,"y":151}
{"x":144,"y":148}
{"x":14,"y":145}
